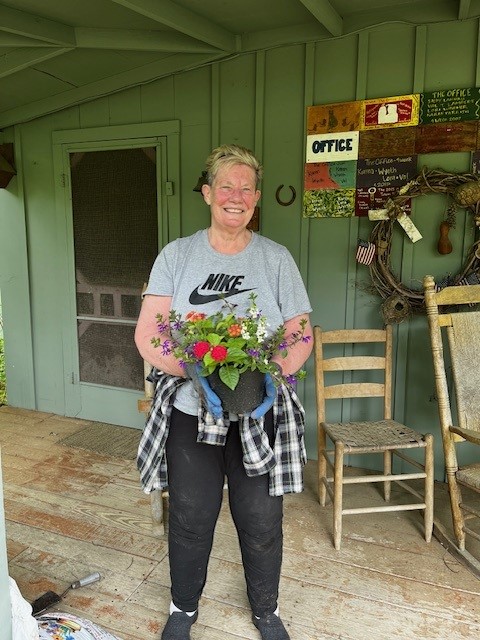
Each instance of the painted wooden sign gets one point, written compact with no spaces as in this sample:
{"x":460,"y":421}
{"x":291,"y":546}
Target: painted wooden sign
{"x":329,"y":203}
{"x":330,"y":175}
{"x":382,"y":143}
{"x":330,"y":147}
{"x":455,"y":136}
{"x":396,"y":111}
{"x":330,"y":118}
{"x":450,"y":105}
{"x":379,"y":179}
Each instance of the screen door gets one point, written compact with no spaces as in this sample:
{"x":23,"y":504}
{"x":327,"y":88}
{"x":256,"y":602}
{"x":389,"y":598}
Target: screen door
{"x":115,"y":242}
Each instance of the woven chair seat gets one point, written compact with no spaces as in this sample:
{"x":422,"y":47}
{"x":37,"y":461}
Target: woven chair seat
{"x":470,"y":475}
{"x":381,"y":435}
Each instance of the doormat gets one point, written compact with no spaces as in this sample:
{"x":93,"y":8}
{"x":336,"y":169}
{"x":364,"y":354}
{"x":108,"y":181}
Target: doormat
{"x":107,"y":439}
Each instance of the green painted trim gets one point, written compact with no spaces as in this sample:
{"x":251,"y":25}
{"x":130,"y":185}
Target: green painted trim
{"x":168,"y":169}
{"x":134,"y":77}
{"x":97,"y":135}
{"x":15,"y":289}
{"x":259,"y":132}
{"x":309,"y":87}
{"x":402,"y":331}
{"x":215,"y":105}
{"x":420,"y":59}
{"x":66,"y":271}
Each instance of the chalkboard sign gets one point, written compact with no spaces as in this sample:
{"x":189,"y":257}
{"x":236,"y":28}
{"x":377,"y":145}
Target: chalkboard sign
{"x":450,"y":105}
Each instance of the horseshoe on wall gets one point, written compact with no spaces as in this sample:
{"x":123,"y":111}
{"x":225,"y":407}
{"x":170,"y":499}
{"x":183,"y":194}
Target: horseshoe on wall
{"x":287,"y":202}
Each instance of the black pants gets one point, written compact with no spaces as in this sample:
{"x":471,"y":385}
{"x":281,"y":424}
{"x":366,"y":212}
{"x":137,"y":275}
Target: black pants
{"x":196,"y":475}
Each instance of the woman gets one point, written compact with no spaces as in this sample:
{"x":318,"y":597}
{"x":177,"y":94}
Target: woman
{"x":197,"y":273}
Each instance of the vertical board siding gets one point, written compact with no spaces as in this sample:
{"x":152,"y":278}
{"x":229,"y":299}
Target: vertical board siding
{"x":258,"y":100}
{"x":283,"y":146}
{"x":236,"y":101}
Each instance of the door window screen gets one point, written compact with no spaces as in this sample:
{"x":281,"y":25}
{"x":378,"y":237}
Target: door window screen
{"x":115,"y":228}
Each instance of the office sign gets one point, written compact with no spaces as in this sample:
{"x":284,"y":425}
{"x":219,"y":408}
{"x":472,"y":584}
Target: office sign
{"x":332,"y":147}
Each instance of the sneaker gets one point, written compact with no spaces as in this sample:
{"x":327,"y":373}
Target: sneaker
{"x":178,"y":626}
{"x":271,"y":627}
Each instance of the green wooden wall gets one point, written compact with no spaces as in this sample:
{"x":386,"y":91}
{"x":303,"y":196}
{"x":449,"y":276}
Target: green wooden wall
{"x":258,"y":100}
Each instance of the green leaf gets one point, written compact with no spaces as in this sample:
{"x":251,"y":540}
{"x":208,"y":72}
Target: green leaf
{"x":229,"y":376}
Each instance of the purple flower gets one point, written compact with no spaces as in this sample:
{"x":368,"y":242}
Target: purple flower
{"x":162,"y":327}
{"x":177,"y":325}
{"x":291,"y":379}
{"x":254,"y":353}
{"x":306,"y":338}
{"x":283,"y":345}
{"x":166,"y":348}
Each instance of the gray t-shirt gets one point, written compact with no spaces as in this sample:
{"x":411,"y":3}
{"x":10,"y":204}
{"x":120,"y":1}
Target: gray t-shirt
{"x":193,"y":274}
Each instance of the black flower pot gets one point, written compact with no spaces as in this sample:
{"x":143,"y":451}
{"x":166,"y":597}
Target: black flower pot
{"x":247,"y":395}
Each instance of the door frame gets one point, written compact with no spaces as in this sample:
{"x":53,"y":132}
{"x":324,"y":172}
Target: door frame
{"x":107,"y":404}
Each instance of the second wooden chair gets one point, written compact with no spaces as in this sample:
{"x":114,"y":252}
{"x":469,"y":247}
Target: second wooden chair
{"x":385,"y":436}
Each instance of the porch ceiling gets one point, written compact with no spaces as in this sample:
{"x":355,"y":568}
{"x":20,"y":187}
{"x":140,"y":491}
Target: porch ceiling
{"x":57,"y":54}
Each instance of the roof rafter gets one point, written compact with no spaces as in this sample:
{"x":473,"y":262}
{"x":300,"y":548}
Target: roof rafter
{"x":134,"y":77}
{"x":23,"y":58}
{"x":463,"y":9}
{"x":32,"y":26}
{"x":139,"y":40}
{"x":323,"y":11}
{"x":183,"y":20}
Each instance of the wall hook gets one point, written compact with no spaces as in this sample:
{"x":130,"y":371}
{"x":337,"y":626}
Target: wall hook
{"x":288,"y":202}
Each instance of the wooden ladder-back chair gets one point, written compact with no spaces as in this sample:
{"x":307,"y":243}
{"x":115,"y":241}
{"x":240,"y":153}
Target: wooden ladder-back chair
{"x":382,"y":436}
{"x":454,"y":310}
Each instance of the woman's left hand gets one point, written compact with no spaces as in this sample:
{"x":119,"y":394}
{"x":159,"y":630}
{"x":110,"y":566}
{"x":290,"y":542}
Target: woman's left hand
{"x":268,"y":400}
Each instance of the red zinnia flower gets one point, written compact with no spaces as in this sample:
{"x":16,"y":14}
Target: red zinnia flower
{"x":219,"y":353}
{"x":200,"y":349}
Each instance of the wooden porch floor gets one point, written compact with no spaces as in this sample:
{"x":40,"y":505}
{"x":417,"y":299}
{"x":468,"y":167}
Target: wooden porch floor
{"x":70,"y":512}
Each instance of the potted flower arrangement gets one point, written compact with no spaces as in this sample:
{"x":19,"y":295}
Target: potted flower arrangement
{"x":226,"y":345}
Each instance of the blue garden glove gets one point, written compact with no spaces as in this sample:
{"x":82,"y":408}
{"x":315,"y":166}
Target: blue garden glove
{"x":213,"y":402}
{"x":268,"y":400}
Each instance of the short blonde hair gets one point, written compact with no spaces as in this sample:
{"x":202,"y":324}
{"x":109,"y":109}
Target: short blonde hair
{"x":228,"y":155}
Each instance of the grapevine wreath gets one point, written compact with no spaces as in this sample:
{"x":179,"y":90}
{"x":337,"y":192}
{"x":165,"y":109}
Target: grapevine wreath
{"x":462,"y":190}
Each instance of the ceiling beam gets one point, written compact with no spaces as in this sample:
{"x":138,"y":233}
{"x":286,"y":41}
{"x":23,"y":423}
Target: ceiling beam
{"x":12,"y":40}
{"x":32,"y":26}
{"x":323,"y":11}
{"x":23,"y":58}
{"x":463,"y":9}
{"x":183,"y":20}
{"x":138,"y":40}
{"x":71,"y":97}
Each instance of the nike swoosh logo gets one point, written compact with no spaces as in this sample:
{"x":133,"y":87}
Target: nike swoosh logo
{"x":198,"y":298}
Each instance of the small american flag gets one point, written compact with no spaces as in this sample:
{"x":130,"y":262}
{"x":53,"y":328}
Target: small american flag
{"x":365,"y":252}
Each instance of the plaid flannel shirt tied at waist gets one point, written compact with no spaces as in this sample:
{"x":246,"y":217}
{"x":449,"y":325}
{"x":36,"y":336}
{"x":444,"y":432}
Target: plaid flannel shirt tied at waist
{"x":283,"y":463}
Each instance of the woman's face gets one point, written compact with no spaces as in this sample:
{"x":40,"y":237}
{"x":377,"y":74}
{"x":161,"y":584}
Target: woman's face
{"x":232,"y":197}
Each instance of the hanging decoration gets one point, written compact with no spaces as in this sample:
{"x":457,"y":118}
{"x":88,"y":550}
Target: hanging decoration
{"x":462,"y":190}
